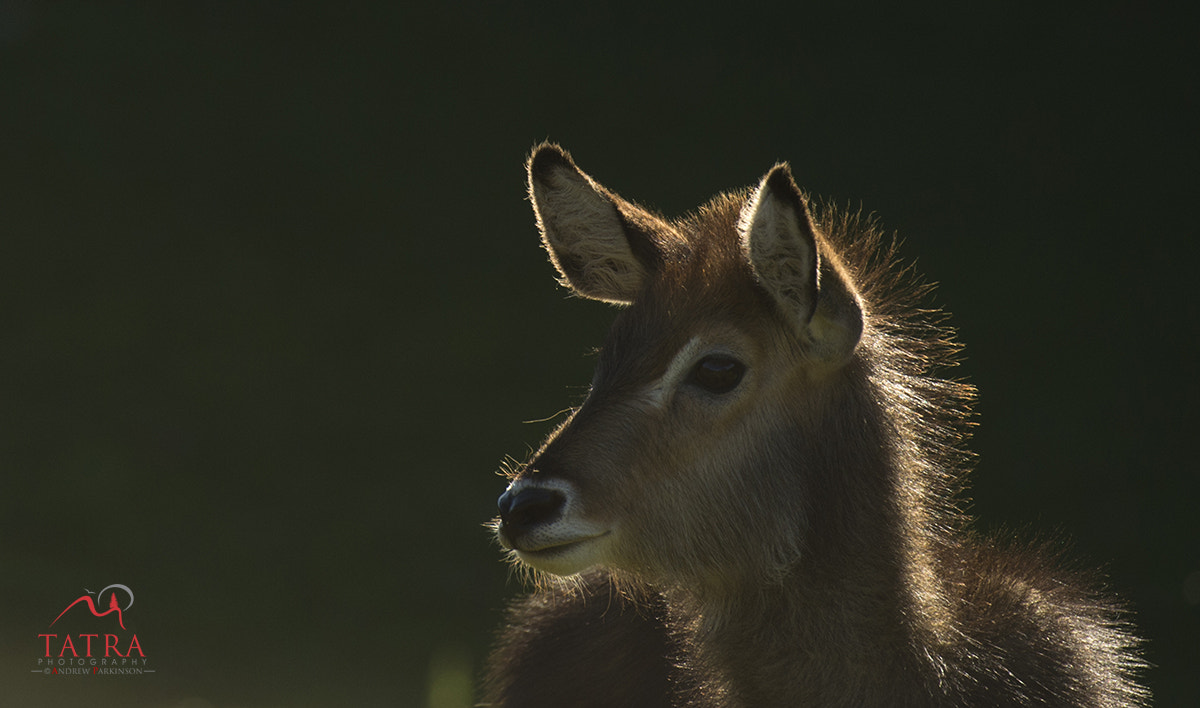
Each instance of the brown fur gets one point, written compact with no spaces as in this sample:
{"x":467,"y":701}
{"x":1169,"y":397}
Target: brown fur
{"x":797,"y":541}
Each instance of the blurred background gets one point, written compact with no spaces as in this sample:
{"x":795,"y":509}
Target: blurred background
{"x":273,"y":310}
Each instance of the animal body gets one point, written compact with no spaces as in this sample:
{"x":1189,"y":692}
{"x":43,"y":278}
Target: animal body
{"x":756,"y":504}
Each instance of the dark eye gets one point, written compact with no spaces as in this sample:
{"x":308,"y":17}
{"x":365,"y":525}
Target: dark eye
{"x":718,"y":373}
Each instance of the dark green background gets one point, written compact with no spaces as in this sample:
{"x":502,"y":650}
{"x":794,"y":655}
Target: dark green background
{"x":272,"y":307}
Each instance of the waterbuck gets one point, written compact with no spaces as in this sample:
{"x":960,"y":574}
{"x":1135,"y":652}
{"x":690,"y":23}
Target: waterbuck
{"x":757,"y":503}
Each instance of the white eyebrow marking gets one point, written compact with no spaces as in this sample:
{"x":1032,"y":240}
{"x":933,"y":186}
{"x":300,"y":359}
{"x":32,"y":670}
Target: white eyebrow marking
{"x":657,"y":393}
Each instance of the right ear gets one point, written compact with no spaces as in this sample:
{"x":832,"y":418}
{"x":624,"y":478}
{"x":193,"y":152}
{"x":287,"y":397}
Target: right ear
{"x":779,"y":240}
{"x":602,"y":246}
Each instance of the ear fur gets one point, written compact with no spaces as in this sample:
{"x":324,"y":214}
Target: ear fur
{"x":781,"y":244}
{"x":601,"y":245}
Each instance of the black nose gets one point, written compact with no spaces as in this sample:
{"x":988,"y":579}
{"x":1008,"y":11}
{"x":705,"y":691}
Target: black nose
{"x":529,"y":506}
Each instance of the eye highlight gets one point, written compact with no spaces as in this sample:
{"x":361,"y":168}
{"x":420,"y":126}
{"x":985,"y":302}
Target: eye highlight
{"x":717,"y":373}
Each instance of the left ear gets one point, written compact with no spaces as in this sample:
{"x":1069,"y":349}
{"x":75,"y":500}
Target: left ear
{"x":780,"y":242}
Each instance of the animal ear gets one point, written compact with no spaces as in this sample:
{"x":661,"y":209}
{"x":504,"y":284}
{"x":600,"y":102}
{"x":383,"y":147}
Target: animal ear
{"x":780,"y":241}
{"x":602,"y":246}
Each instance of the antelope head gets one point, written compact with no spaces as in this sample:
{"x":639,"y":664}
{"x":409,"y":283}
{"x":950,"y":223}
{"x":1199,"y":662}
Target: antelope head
{"x":693,"y":456}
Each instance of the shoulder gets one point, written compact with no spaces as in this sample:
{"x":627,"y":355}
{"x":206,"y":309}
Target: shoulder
{"x":592,"y":642}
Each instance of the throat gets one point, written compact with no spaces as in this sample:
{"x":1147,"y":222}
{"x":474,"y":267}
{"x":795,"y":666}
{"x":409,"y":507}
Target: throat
{"x":854,"y":639}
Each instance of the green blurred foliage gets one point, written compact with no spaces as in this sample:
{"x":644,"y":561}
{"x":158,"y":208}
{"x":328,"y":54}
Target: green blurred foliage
{"x":272,"y":308}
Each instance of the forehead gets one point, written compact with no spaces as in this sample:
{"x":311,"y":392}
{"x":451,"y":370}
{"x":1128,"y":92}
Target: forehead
{"x":704,"y":287}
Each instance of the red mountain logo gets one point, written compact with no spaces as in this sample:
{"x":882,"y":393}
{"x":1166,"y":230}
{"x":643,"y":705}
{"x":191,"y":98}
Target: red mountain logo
{"x":114,"y":605}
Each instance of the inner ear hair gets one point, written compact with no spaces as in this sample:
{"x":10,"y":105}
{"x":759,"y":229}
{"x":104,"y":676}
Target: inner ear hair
{"x":602,"y":246}
{"x":779,"y":240}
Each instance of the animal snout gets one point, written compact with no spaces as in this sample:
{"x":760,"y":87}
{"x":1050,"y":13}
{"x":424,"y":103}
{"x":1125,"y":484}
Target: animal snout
{"x":523,"y":507}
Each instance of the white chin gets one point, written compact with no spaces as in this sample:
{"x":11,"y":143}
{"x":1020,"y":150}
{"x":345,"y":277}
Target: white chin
{"x":567,"y":558}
